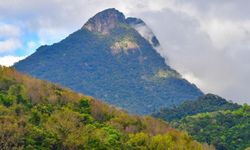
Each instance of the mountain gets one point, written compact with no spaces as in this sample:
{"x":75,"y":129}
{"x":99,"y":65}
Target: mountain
{"x":112,"y":58}
{"x":36,"y":114}
{"x":225,"y":129}
{"x":203,"y":104}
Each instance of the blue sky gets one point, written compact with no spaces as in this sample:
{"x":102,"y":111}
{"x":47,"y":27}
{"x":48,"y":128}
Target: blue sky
{"x":208,"y":42}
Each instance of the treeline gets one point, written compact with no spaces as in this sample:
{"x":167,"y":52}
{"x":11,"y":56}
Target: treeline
{"x":35,"y":114}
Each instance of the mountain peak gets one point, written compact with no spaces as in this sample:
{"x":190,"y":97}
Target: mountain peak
{"x":108,"y":19}
{"x":104,"y":21}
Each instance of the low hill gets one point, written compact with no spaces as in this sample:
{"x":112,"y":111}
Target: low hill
{"x":206,"y":103}
{"x":36,"y":114}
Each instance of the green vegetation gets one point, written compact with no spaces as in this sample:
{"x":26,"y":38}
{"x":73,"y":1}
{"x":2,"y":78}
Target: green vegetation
{"x":227,"y":130}
{"x":35,"y":114}
{"x":206,"y":103}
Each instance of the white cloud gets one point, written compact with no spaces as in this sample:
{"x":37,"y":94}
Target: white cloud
{"x":225,"y":33}
{"x":10,"y":60}
{"x":9,"y":38}
{"x":206,"y":45}
{"x":7,"y":30}
{"x":9,"y":45}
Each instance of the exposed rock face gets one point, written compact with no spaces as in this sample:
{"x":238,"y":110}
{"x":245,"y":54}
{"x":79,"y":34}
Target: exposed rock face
{"x":104,"y":21}
{"x":125,"y":45}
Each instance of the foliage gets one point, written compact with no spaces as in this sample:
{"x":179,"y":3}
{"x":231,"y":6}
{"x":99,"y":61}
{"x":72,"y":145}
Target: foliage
{"x":227,"y":130}
{"x":206,"y":103}
{"x":35,"y":114}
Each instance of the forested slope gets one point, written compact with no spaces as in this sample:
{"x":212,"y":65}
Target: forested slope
{"x":35,"y":114}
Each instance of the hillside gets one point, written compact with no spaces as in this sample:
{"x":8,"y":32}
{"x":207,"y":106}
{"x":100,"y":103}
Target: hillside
{"x":227,"y":130}
{"x":36,"y":114}
{"x":206,"y":103}
{"x":109,"y":58}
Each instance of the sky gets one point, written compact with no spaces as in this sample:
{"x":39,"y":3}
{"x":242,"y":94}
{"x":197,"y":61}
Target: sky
{"x":208,"y":42}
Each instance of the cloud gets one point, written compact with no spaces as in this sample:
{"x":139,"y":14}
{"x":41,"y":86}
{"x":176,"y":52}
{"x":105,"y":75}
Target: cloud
{"x":9,"y":45}
{"x":208,"y":49}
{"x":9,"y":38}
{"x":208,"y":42}
{"x":10,"y":60}
{"x":7,"y":30}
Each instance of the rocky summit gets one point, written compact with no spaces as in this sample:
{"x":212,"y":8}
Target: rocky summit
{"x":114,"y":59}
{"x":105,"y":21}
